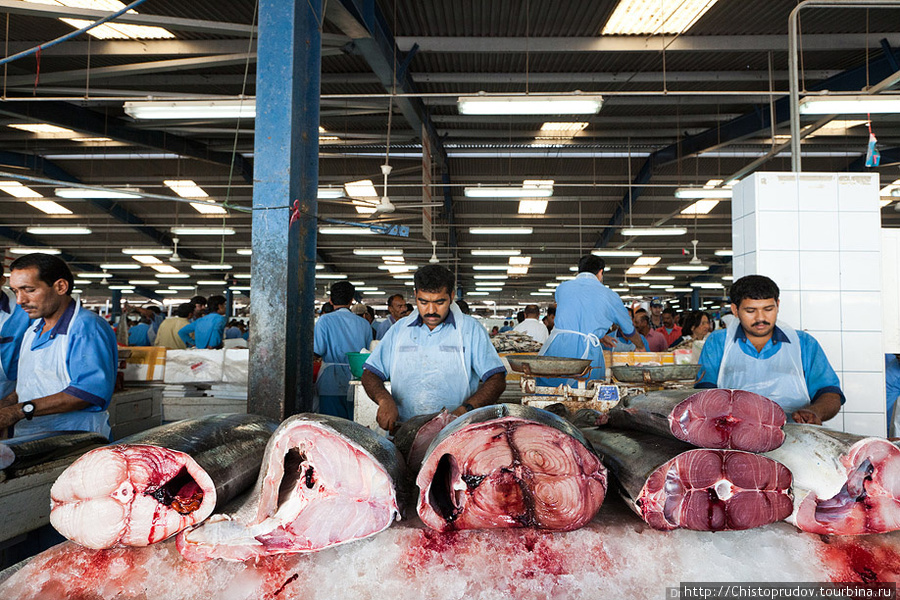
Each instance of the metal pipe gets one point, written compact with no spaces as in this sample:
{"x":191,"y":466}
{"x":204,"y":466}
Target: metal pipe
{"x":793,"y":71}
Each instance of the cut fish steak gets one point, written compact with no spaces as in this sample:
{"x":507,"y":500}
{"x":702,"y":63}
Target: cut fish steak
{"x":843,"y":483}
{"x":324,"y":481}
{"x":715,"y":418}
{"x":671,"y":484}
{"x":152,"y":485}
{"x":415,"y":436}
{"x":510,"y":466}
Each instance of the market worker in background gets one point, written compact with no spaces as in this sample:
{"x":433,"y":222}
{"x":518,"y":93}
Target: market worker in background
{"x":167,"y":336}
{"x":396,"y":308}
{"x":585,"y":310}
{"x":68,"y":359}
{"x":892,"y":389}
{"x":760,"y":354}
{"x":139,"y":333}
{"x":336,"y":334}
{"x":670,"y":330}
{"x":655,"y":340}
{"x":531,"y":326}
{"x":435,"y":358}
{"x":13,"y":323}
{"x":209,"y":330}
{"x":198,"y":307}
{"x":656,"y":308}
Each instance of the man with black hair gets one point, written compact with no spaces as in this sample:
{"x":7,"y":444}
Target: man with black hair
{"x":550,"y":318}
{"x":167,"y":336}
{"x":68,"y":358}
{"x":760,"y":354}
{"x":336,"y":334}
{"x":396,"y":309}
{"x":435,"y":358}
{"x":669,"y":330}
{"x":208,"y":330}
{"x":13,"y":323}
{"x":586,"y":309}
{"x":198,"y":307}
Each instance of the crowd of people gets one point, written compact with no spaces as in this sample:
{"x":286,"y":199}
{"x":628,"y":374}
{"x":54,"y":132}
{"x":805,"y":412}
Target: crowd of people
{"x":199,"y":323}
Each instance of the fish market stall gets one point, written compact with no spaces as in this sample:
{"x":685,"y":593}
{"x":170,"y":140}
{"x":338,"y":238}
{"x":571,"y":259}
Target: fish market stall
{"x":615,"y":556}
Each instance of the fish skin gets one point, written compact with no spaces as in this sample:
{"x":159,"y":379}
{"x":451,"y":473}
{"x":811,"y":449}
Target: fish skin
{"x":343,"y":474}
{"x":120,"y":494}
{"x":834,"y":490}
{"x":415,"y":436}
{"x":714,"y":418}
{"x":33,"y":453}
{"x":531,"y":463}
{"x":656,"y":480}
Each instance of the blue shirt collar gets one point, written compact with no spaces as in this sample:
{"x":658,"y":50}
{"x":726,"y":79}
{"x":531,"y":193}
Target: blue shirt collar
{"x":777,"y":335}
{"x":62,"y":326}
{"x":450,"y":320}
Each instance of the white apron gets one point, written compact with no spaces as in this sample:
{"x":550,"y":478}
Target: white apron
{"x":43,"y":372}
{"x":6,"y":386}
{"x":779,"y":378}
{"x":425,"y":379}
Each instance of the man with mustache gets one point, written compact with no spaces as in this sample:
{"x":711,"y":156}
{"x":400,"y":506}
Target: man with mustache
{"x":760,"y":354}
{"x":435,"y":358}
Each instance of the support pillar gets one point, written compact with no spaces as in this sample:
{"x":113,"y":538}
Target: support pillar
{"x":229,"y":303}
{"x":695,"y":299}
{"x":285,"y":207}
{"x":115,"y":310}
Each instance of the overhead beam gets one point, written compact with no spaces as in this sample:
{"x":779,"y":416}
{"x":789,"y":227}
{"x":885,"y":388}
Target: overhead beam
{"x":654,"y":44}
{"x":67,"y":115}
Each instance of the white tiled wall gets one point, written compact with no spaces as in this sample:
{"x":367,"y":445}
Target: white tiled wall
{"x":818,"y":235}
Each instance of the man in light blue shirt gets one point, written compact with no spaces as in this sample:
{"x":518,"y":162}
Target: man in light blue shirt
{"x":396,"y":308}
{"x":13,"y":323}
{"x":68,"y":359}
{"x":585,"y":310}
{"x":755,"y":354}
{"x":892,"y":389}
{"x":336,"y":334}
{"x":208,"y":330}
{"x":435,"y":358}
{"x":139,"y":334}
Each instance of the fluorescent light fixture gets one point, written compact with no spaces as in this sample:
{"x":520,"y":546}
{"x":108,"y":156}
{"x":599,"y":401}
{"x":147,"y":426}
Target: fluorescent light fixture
{"x":14,"y":188}
{"x":637,"y":270}
{"x":121,"y":287}
{"x":240,"y":288}
{"x":186,"y":188}
{"x":147,"y":251}
{"x":703,"y":193}
{"x":24,"y":250}
{"x":850,"y":105}
{"x":164,"y":270}
{"x":489,"y":267}
{"x":338,"y":230}
{"x":210,"y":282}
{"x":241,"y":275}
{"x":93,"y":275}
{"x":58,"y":230}
{"x":397,"y":268}
{"x":329,"y":193}
{"x":166,"y":292}
{"x":409,"y":283}
{"x":619,"y":289}
{"x":202,"y":230}
{"x":636,"y":231}
{"x":647,"y":261}
{"x":319,"y":267}
{"x":688,"y":268}
{"x":478,"y":293}
{"x":489,"y":289}
{"x":657,"y":278}
{"x":112,"y":194}
{"x":575,"y":269}
{"x":211,"y":267}
{"x":700,"y":207}
{"x":374,"y":293}
{"x":86,"y":140}
{"x":192,"y":109}
{"x":553,"y":130}
{"x":334,"y":276}
{"x":552,"y":284}
{"x":490,"y":283}
{"x":363,"y":188}
{"x":172,"y":276}
{"x":541,"y":293}
{"x":724,"y":253}
{"x":49,"y":207}
{"x":357,"y":283}
{"x":508,"y":192}
{"x":491,"y":276}
{"x":676,"y":290}
{"x":576,"y":104}
{"x":182,"y":287}
{"x":617,"y":253}
{"x":120,"y":266}
{"x":404,"y":276}
{"x":727,"y":277}
{"x":82,"y":281}
{"x":364,"y":288}
{"x":707,"y":285}
{"x":635,"y":17}
{"x":520,"y":260}
{"x":564,"y":277}
{"x":517,"y":271}
{"x":208,"y":207}
{"x":143,"y":282}
{"x":146,"y":259}
{"x":660,"y":287}
{"x":533,"y":207}
{"x":635,"y":285}
{"x":42,"y":128}
{"x":378,"y":252}
{"x":501,"y":230}
{"x":244,"y":251}
{"x":496,"y":252}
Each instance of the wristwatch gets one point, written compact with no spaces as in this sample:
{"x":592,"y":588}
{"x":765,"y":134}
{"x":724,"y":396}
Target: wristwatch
{"x":28,"y":409}
{"x":468,"y":407}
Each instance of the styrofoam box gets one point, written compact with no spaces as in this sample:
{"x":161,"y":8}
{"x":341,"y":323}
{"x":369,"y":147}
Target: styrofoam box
{"x":194,"y":366}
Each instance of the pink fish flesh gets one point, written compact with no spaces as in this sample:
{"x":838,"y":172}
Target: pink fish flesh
{"x":672,"y":485}
{"x":510,"y":466}
{"x":325,"y":481}
{"x":416,"y":434}
{"x":715,"y":418}
{"x":135,"y":494}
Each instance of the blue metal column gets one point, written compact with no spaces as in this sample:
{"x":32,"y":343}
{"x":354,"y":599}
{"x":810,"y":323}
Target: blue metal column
{"x":695,"y":299}
{"x":286,"y":170}
{"x":229,"y":303}
{"x":115,"y":305}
